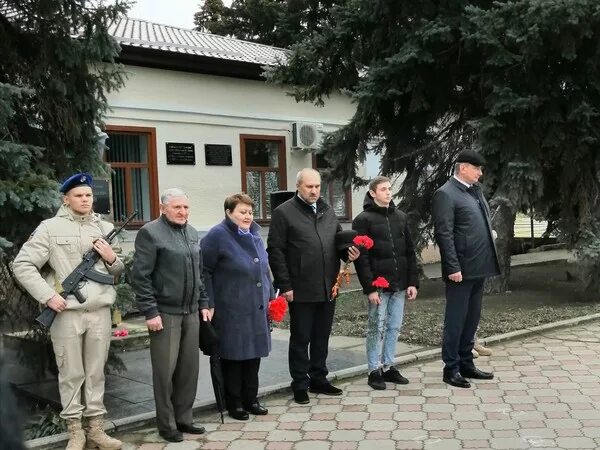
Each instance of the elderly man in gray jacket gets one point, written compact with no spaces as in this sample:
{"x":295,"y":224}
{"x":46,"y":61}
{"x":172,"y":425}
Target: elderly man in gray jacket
{"x":167,"y":280}
{"x":463,"y":233}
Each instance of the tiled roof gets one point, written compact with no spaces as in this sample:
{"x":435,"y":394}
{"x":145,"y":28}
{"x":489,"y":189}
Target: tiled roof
{"x":141,"y":33}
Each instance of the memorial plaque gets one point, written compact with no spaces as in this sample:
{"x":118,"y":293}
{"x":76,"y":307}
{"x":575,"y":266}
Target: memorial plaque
{"x":217,"y":155}
{"x":180,"y":153}
{"x":101,"y":196}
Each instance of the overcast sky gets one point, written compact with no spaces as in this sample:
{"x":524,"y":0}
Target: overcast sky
{"x":179,"y":13}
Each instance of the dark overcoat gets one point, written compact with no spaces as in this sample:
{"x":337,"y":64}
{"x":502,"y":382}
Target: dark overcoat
{"x":393,"y":253}
{"x":463,"y":231}
{"x":236,"y":276}
{"x":302,"y":251}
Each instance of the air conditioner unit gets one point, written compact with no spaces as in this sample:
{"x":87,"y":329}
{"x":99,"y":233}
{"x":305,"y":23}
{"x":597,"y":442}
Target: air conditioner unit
{"x":305,"y":136}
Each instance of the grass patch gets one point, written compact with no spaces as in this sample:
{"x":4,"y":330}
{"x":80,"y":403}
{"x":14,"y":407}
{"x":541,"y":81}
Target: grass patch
{"x":540,"y":294}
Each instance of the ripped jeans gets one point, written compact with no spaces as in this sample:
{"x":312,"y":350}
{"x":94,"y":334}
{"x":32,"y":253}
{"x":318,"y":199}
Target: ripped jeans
{"x":384,"y":325}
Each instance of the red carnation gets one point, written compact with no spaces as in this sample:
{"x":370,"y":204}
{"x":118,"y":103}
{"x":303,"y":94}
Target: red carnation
{"x":380,"y":283}
{"x":363,"y":241}
{"x":277,"y":309}
{"x":121,"y":333}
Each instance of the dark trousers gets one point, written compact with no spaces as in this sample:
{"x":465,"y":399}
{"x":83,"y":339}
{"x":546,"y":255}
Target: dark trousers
{"x":175,"y":357}
{"x":310,"y":325}
{"x":241,"y":382}
{"x":463,"y":310}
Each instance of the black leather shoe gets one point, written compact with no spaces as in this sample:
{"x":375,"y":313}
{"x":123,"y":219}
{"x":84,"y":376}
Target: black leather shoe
{"x":456,"y":379}
{"x":191,"y":429}
{"x":238,"y":414}
{"x":257,"y":409}
{"x":325,"y":388}
{"x":477,"y":374}
{"x":171,"y":435}
{"x":301,"y":397}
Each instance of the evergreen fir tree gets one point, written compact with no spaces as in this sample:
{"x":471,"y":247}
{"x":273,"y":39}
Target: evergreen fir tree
{"x":56,"y":65}
{"x":280,"y":23}
{"x":516,"y":80}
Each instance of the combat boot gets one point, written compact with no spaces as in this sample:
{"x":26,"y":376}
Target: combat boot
{"x":76,"y":435}
{"x":97,"y":438}
{"x":483,"y":351}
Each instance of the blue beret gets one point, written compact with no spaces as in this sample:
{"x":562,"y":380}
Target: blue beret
{"x":79,"y":179}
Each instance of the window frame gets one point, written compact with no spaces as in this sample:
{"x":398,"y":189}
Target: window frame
{"x":282,"y":166}
{"x":347,"y":195}
{"x":152,"y":166}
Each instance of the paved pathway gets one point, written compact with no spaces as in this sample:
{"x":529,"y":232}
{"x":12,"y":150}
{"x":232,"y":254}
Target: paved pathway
{"x":546,"y":394}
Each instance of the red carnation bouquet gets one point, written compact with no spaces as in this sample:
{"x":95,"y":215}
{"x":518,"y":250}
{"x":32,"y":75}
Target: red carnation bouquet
{"x":277,"y":308}
{"x":361,"y":241}
{"x":380,"y":283}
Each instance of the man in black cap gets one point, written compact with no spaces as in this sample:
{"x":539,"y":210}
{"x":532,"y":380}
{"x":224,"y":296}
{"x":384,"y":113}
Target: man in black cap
{"x":463,"y":233}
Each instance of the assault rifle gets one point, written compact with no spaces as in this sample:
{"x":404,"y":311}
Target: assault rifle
{"x":84,"y":271}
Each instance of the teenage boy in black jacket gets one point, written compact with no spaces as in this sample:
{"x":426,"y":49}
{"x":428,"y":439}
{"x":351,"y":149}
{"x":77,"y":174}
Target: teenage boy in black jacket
{"x":392,"y":257}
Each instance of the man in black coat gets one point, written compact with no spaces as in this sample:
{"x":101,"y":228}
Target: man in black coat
{"x":392,"y":257}
{"x":463,"y":233}
{"x":305,"y":264}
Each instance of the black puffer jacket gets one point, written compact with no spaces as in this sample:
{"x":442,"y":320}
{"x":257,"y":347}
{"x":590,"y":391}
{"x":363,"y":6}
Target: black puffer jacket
{"x":393,"y":254}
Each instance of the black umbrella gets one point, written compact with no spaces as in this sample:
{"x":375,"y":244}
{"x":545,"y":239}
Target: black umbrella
{"x":209,"y":344}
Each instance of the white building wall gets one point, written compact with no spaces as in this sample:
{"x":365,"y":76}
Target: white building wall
{"x":205,"y":109}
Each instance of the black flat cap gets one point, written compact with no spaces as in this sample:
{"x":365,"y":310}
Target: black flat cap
{"x":343,"y":239}
{"x":279,"y":197}
{"x":471,"y":157}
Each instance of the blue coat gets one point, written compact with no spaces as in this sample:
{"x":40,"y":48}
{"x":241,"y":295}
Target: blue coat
{"x":236,"y":275}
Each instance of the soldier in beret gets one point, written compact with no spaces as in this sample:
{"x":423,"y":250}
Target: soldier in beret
{"x":80,"y":332}
{"x":463,"y":232}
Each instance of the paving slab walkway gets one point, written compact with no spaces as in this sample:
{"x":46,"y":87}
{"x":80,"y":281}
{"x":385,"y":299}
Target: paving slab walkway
{"x":546,"y":394}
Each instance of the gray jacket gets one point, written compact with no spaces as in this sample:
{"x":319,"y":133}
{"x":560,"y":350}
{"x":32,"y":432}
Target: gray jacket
{"x":167,"y":269}
{"x":463,"y":231}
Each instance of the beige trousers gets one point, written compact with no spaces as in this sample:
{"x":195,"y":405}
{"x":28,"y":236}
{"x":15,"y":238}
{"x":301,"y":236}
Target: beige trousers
{"x":81,"y":340}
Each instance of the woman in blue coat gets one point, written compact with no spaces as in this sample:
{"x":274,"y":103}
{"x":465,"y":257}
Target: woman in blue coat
{"x":236,"y":275}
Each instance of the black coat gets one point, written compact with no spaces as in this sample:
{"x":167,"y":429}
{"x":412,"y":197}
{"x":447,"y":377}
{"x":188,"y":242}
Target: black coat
{"x":301,"y":248}
{"x":463,"y":231}
{"x":392,"y":255}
